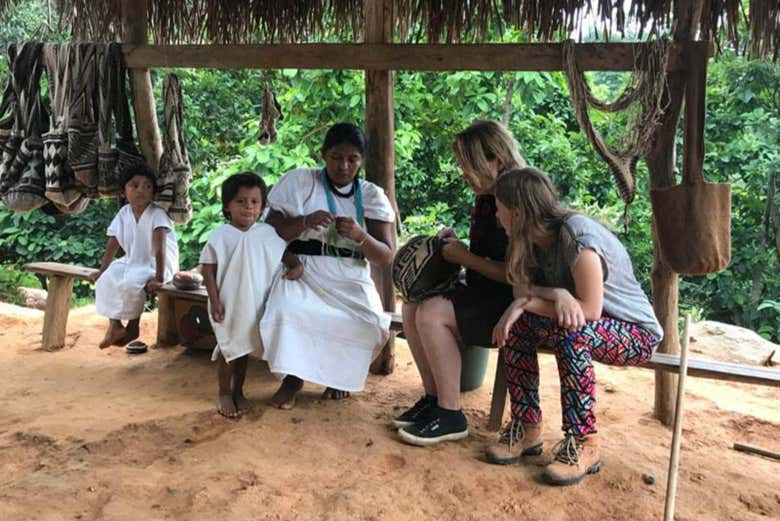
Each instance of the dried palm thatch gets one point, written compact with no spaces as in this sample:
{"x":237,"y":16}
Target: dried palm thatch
{"x":256,"y":21}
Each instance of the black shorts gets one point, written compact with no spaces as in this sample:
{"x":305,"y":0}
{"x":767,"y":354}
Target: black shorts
{"x":477,"y":312}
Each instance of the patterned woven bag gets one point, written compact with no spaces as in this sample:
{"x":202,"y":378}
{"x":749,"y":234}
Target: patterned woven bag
{"x":82,"y":125}
{"x":420,"y":271}
{"x":175,"y":175}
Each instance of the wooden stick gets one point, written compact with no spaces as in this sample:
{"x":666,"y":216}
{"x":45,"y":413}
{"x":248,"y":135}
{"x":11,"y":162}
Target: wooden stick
{"x":674,"y":460}
{"x":756,"y":450}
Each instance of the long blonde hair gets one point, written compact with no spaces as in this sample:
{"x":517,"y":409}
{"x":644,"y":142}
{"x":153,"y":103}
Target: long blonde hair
{"x":480,"y":142}
{"x":537,"y":216}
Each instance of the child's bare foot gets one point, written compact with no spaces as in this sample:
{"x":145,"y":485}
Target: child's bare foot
{"x":227,"y":407}
{"x":114,"y":335}
{"x":242,"y":404}
{"x":284,"y":397}
{"x":335,"y":394}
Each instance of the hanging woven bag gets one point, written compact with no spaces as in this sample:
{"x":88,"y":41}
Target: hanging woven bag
{"x":175,"y":175}
{"x":83,"y":116}
{"x":127,"y":154}
{"x":10,"y":126}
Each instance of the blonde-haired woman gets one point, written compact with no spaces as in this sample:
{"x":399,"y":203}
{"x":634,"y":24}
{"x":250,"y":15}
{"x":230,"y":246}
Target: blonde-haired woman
{"x":436,"y":328}
{"x":578,"y":295}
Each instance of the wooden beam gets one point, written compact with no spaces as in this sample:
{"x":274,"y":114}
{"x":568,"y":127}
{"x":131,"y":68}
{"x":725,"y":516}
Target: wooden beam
{"x":661,"y":166}
{"x":389,"y":56}
{"x":135,"y":32}
{"x":380,"y":156}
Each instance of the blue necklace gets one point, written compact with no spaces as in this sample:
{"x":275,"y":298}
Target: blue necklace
{"x":329,"y":190}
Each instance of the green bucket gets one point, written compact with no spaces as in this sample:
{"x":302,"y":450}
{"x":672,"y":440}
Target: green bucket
{"x":474,"y":361}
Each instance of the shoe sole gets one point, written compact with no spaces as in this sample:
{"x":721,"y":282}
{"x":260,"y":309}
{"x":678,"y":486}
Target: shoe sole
{"x":425,"y":442}
{"x":572,"y":481}
{"x":530,"y":451}
{"x":401,"y":424}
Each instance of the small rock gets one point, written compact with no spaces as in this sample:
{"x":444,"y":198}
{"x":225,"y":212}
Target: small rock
{"x":369,"y":443}
{"x":296,"y":420}
{"x":609,"y":388}
{"x":187,"y":440}
{"x":91,"y":489}
{"x":648,"y":479}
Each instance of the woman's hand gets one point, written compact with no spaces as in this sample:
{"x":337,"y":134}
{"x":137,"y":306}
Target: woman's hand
{"x":507,"y":320}
{"x":94,"y":276}
{"x":568,"y":310}
{"x":454,"y":251}
{"x":217,"y":311}
{"x":317,"y":220}
{"x":152,"y":285}
{"x":348,"y":228}
{"x":446,"y":234}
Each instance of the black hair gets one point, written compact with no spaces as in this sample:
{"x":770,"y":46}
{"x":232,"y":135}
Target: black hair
{"x":345,"y":134}
{"x":138,"y":169}
{"x":235,"y":182}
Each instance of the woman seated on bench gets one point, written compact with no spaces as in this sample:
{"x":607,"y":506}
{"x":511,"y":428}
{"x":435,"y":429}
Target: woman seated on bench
{"x":577,"y":294}
{"x":327,"y":326}
{"x":436,"y":327}
{"x":145,"y":233}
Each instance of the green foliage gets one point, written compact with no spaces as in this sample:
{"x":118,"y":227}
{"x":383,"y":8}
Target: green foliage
{"x":221,"y":126}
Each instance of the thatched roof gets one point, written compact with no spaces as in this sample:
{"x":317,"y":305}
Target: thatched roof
{"x":265,"y":21}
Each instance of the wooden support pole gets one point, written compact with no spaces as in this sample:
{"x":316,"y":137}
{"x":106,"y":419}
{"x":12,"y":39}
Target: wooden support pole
{"x":135,"y":31}
{"x":380,"y":124}
{"x":660,"y":164}
{"x":167,"y":328}
{"x":55,"y":319}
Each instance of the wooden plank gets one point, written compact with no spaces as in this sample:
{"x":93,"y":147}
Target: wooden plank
{"x":167,"y":328}
{"x":135,"y":32}
{"x":196,"y":295}
{"x":380,"y":156}
{"x":717,"y":370}
{"x":58,"y":268}
{"x":498,"y":401}
{"x":55,"y":318}
{"x":756,"y":450}
{"x":391,"y":56}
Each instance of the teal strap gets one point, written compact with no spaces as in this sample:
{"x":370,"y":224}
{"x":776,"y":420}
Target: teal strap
{"x":332,"y":200}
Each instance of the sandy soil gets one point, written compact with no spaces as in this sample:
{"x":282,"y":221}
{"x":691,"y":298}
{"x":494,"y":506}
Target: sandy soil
{"x":99,"y":435}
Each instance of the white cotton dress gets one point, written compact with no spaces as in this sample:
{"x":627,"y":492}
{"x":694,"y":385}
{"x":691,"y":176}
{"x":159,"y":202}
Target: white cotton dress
{"x":119,"y":292}
{"x":327,"y":326}
{"x":247,"y":262}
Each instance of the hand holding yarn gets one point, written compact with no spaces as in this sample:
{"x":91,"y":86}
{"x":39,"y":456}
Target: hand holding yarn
{"x":348,"y":228}
{"x":317,"y":220}
{"x":454,"y":251}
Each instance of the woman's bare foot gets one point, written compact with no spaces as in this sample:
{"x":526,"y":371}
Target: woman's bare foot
{"x":284,"y":397}
{"x":114,"y":334}
{"x":335,"y":394}
{"x":227,"y":407}
{"x":242,"y":404}
{"x":131,"y":332}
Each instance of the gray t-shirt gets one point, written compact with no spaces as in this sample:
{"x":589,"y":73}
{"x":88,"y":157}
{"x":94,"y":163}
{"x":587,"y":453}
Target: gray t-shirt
{"x":624,"y":298}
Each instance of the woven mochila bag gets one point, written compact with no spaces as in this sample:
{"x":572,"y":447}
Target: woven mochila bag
{"x":82,"y":125}
{"x":127,"y":154}
{"x":693,"y":221}
{"x":61,"y":186}
{"x":10,"y":129}
{"x":175,"y":174}
{"x":420,"y":270}
{"x":24,"y":182}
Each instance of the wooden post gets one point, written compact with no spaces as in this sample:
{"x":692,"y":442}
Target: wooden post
{"x":660,"y":163}
{"x":498,"y":401}
{"x":379,"y":125}
{"x":167,"y":328}
{"x":135,"y":31}
{"x":55,"y":319}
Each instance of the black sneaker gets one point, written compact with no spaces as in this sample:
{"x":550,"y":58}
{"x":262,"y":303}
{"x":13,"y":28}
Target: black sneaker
{"x":443,"y":425}
{"x":419,"y":411}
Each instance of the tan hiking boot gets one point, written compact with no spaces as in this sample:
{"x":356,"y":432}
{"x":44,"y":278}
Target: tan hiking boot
{"x":575,"y":458}
{"x":517,"y":439}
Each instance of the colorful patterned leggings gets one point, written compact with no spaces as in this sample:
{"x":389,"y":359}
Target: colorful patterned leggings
{"x":607,"y":340}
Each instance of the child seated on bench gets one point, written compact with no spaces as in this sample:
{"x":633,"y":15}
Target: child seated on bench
{"x":145,"y":233}
{"x":239,"y":261}
{"x":577,"y":294}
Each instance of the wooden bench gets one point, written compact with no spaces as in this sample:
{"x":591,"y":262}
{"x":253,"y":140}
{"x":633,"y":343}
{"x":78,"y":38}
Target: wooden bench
{"x":173,"y":302}
{"x":60,"y":290}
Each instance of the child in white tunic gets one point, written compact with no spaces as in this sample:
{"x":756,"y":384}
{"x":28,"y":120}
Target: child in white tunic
{"x":145,"y":233}
{"x":239,"y":261}
{"x":328,"y":326}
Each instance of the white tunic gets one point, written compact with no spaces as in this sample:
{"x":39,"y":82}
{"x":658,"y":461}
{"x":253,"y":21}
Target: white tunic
{"x":246,"y":264}
{"x":327,"y":326}
{"x":119,"y":292}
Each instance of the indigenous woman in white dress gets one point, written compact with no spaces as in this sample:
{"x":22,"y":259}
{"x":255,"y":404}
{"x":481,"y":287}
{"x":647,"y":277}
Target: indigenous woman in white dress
{"x":327,"y":326}
{"x":145,"y":233}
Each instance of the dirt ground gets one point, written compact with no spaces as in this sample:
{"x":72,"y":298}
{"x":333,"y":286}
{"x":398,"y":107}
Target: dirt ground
{"x":100,"y":435}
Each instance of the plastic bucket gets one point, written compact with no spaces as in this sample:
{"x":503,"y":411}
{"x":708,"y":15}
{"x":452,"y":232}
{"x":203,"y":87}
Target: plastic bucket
{"x":474,"y":361}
